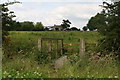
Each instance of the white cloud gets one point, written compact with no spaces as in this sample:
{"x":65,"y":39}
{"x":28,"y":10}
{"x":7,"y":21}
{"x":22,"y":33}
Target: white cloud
{"x":78,"y":14}
{"x":53,"y":0}
{"x":115,"y":0}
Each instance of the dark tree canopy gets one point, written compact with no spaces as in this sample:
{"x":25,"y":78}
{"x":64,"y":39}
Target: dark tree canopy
{"x":97,"y":22}
{"x":39,"y":26}
{"x":65,"y":24}
{"x":74,"y":29}
{"x":111,"y":42}
{"x":7,"y":18}
{"x":85,"y":28}
{"x":27,"y":26}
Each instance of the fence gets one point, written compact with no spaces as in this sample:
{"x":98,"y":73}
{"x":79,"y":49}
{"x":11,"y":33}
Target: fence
{"x":55,"y":46}
{"x":51,"y":45}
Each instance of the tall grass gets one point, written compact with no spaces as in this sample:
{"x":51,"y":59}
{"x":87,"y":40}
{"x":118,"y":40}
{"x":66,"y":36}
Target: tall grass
{"x":28,"y":62}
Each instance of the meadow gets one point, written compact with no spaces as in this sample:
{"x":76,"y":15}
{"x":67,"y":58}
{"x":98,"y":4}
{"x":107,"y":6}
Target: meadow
{"x":26,"y":61}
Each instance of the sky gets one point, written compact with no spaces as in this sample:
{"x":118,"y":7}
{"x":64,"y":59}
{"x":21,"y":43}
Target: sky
{"x":51,"y":12}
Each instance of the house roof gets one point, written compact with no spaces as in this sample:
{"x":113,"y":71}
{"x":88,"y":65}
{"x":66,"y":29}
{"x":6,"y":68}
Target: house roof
{"x":58,"y":26}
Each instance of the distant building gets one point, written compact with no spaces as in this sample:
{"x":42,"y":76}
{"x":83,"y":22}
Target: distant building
{"x":50,"y":28}
{"x":55,"y":28}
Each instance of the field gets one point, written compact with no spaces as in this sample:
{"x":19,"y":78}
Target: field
{"x":26,"y":61}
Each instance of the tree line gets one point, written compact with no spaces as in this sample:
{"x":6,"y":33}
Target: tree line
{"x":107,"y":23}
{"x":27,"y":26}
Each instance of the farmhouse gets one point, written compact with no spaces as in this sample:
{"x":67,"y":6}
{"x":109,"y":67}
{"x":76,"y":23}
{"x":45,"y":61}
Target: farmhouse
{"x":55,"y":28}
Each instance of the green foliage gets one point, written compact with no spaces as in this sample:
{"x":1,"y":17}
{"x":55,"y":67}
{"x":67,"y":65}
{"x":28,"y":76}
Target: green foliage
{"x":28,"y":62}
{"x":85,"y":28}
{"x":42,"y":58}
{"x":16,"y":26}
{"x":25,"y":42}
{"x":28,"y":39}
{"x":46,"y":29}
{"x":7,"y":16}
{"x":27,"y":26}
{"x":39,"y":27}
{"x":111,"y":42}
{"x":74,"y":29}
{"x":89,"y":67}
{"x":66,"y":24}
{"x":97,"y":22}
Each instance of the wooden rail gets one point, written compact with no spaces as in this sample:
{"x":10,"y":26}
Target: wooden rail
{"x":81,"y":45}
{"x":51,"y":39}
{"x":40,"y":41}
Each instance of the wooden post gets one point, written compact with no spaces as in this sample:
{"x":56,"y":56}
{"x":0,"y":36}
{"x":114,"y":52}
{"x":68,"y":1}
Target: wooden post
{"x":56,"y":48}
{"x":50,"y":46}
{"x":61,"y":47}
{"x":82,"y":46}
{"x":40,"y":44}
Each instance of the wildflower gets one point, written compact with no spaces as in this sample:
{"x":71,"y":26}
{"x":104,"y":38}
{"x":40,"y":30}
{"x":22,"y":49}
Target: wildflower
{"x":27,"y":74}
{"x":116,"y":76}
{"x":37,"y":67}
{"x":4,"y":77}
{"x":18,"y":73}
{"x":23,"y":61}
{"x":92,"y":76}
{"x":16,"y":77}
{"x":96,"y":57}
{"x":88,"y":72}
{"x":109,"y":77}
{"x":70,"y":44}
{"x":21,"y":76}
{"x":88,"y":76}
{"x":97,"y":73}
{"x":9,"y":75}
{"x":40,"y":74}
{"x":35,"y":72}
{"x":4,"y":72}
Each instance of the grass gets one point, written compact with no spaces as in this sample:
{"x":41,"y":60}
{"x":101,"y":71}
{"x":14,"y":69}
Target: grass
{"x":0,"y":63}
{"x":27,"y":68}
{"x":27,"y":40}
{"x":25,"y":62}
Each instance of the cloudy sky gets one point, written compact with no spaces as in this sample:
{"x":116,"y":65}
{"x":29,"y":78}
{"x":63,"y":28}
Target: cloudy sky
{"x":51,"y":12}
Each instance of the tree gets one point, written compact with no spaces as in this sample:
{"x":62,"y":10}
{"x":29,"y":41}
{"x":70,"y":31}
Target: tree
{"x":74,"y":29}
{"x":7,"y":23}
{"x":27,"y":26}
{"x":85,"y":28}
{"x":46,"y":29}
{"x":39,"y":26}
{"x":7,"y":18}
{"x":97,"y":22}
{"x":16,"y":26}
{"x":65,"y":24}
{"x":111,"y":42}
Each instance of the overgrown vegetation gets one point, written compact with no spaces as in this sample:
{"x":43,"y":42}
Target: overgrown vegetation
{"x":26,"y":61}
{"x":22,"y":58}
{"x":7,"y":18}
{"x":111,"y":42}
{"x":107,"y":23}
